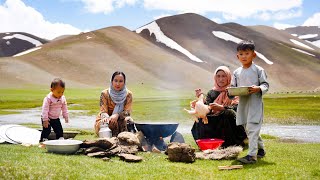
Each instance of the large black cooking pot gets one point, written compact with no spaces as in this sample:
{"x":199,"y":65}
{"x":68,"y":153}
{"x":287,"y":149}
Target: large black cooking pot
{"x":157,"y":129}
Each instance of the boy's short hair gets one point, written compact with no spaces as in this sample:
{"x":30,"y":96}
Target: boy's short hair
{"x":57,"y":82}
{"x":246,"y":45}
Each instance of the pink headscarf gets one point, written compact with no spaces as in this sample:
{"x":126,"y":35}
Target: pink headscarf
{"x":223,"y":98}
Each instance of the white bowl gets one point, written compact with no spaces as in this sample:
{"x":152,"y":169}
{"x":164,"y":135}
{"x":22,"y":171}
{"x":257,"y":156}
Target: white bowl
{"x":238,"y":91}
{"x":63,"y":146}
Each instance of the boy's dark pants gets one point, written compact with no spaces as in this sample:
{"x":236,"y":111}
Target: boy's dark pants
{"x":56,"y":126}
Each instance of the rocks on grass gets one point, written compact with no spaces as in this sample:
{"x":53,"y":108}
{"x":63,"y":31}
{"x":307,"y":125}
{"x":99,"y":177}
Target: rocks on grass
{"x":128,"y":138}
{"x":130,"y":158}
{"x":104,"y":143}
{"x":180,"y":152}
{"x":126,"y":143}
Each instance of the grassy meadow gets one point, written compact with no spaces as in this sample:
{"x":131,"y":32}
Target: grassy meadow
{"x":284,"y":159}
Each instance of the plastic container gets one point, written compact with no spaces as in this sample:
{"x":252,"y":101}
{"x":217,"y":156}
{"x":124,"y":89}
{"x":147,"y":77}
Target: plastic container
{"x":105,"y":131}
{"x":63,"y":146}
{"x":205,"y":144}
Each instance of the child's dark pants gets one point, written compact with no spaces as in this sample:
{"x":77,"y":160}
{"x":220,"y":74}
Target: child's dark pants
{"x":56,"y":126}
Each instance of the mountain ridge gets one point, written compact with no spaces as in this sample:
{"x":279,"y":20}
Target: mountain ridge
{"x":218,"y":51}
{"x":12,"y":43}
{"x":89,"y":59}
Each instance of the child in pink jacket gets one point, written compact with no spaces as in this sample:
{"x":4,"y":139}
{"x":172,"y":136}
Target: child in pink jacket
{"x":53,"y":104}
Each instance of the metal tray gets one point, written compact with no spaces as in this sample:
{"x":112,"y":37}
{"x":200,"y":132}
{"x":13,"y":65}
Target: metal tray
{"x":238,"y":91}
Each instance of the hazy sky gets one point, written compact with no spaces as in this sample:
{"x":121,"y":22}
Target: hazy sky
{"x":52,"y":18}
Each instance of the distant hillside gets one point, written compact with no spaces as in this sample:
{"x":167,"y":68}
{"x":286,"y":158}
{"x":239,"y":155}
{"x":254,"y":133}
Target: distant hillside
{"x":12,"y":43}
{"x":89,"y":59}
{"x":308,"y":33}
{"x":176,"y":53}
{"x":289,"y":61}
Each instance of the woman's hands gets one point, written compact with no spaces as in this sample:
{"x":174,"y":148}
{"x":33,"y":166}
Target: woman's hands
{"x":216,"y":107}
{"x":113,"y":120}
{"x":104,"y":117}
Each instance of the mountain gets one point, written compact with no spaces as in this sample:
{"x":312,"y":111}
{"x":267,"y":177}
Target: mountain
{"x":12,"y":43}
{"x":308,"y":33}
{"x":176,"y":53}
{"x":89,"y":59}
{"x":291,"y":63}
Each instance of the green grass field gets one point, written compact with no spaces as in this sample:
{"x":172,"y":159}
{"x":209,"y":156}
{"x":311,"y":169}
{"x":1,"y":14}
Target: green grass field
{"x":284,"y":160}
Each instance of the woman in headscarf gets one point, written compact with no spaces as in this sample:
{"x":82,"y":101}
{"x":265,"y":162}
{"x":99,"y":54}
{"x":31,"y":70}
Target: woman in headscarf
{"x":222,"y":115}
{"x":115,"y":105}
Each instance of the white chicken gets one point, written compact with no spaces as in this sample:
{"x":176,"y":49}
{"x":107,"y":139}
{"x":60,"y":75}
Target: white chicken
{"x":198,"y":108}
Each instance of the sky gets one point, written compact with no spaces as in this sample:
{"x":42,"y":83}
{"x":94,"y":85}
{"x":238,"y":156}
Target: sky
{"x":52,"y":18}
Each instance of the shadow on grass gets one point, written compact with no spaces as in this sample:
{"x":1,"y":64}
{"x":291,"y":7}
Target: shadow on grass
{"x":290,"y":140}
{"x":62,"y":154}
{"x":316,"y":173}
{"x":259,"y":163}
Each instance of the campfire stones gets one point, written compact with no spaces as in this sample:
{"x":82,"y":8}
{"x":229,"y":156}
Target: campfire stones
{"x":128,"y":138}
{"x":97,"y":154}
{"x":133,"y":149}
{"x":143,"y":144}
{"x":125,"y":143}
{"x":104,"y":143}
{"x":130,"y":158}
{"x":93,"y":150}
{"x":113,"y":151}
{"x":180,"y":152}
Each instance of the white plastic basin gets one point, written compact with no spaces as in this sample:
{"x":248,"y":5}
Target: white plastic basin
{"x":63,"y":146}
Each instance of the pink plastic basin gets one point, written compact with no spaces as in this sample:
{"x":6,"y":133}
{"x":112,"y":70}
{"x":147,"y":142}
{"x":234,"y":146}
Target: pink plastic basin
{"x":205,"y":144}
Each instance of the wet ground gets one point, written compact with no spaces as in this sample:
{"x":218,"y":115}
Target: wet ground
{"x":78,"y":120}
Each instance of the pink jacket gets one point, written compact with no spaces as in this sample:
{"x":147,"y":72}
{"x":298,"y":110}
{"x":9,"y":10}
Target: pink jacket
{"x":51,"y":107}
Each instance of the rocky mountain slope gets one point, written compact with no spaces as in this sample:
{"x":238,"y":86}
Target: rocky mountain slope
{"x":12,"y":43}
{"x":177,"y":53}
{"x":89,"y":59}
{"x":291,"y":63}
{"x":308,"y":33}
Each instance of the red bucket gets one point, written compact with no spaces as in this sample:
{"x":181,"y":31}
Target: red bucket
{"x":205,"y":144}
